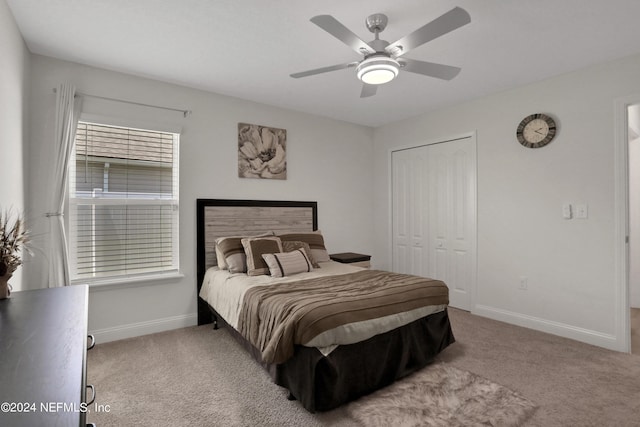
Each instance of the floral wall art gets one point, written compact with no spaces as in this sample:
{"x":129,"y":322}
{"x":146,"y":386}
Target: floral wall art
{"x":262,"y":152}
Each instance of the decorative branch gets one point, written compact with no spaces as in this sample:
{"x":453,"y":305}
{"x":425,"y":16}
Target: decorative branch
{"x":14,"y":237}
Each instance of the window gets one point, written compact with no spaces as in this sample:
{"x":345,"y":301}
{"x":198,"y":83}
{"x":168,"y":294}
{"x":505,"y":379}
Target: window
{"x":123,"y":202}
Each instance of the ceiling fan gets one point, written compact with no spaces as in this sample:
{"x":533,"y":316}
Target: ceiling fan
{"x":383,"y":60}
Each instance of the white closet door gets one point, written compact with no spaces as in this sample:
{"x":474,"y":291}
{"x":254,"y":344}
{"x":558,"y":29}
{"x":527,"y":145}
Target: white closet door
{"x":409,"y":215}
{"x":452,"y":229}
{"x":434,"y":215}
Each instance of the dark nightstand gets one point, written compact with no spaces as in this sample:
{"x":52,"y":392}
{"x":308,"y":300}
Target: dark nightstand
{"x":353,"y":258}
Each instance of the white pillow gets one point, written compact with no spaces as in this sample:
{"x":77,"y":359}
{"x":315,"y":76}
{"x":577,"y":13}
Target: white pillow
{"x":287,"y":263}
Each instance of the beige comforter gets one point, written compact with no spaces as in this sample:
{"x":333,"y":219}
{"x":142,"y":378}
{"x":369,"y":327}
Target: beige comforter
{"x":275,"y":318}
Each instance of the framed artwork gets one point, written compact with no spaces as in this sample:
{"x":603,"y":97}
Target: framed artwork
{"x":262,"y":152}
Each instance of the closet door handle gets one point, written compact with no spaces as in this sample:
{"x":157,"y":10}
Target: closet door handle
{"x":93,"y":394}
{"x":93,"y":341}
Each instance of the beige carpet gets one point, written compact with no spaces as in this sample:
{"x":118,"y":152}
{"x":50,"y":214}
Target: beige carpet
{"x":197,"y":376}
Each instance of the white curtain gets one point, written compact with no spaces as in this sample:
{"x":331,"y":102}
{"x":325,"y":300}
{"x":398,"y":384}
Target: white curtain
{"x":68,"y":108}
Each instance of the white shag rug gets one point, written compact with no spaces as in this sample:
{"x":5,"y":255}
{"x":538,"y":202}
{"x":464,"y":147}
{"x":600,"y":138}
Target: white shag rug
{"x":441,"y":395}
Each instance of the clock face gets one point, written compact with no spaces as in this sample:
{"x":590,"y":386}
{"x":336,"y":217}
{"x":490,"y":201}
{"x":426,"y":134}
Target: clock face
{"x":536,"y":130}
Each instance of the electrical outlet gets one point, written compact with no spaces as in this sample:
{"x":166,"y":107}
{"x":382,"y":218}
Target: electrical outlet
{"x":582,"y":211}
{"x":524,"y":283}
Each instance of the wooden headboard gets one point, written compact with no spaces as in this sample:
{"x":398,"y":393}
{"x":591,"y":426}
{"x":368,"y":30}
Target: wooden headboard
{"x":224,"y":217}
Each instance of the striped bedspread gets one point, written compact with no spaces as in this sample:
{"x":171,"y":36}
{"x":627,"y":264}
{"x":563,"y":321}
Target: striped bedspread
{"x":276,"y":318}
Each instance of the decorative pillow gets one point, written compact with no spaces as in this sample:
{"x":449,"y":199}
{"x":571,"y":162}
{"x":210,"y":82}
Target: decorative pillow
{"x":254,"y":247}
{"x":315,"y":241}
{"x":230,"y":252}
{"x":297,"y":244}
{"x":288,"y":263}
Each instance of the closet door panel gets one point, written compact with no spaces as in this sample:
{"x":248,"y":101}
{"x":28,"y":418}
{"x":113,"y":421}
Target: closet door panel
{"x":433,"y":224}
{"x":453,"y":218}
{"x":409,"y":220}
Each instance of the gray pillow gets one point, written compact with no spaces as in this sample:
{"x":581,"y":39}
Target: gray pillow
{"x":315,"y":241}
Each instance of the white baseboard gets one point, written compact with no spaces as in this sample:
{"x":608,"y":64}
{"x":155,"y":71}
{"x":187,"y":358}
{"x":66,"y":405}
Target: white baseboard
{"x":588,"y":336}
{"x":144,"y":328}
{"x":556,"y":328}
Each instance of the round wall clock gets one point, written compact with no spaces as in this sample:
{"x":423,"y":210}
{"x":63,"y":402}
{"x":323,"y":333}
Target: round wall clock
{"x":536,"y":130}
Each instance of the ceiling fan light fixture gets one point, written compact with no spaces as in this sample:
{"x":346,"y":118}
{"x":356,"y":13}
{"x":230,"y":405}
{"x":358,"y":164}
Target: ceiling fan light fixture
{"x":377,"y":70}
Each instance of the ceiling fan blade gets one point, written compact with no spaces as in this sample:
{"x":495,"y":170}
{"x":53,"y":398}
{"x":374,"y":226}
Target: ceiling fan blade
{"x":324,"y":70}
{"x":455,"y":18}
{"x":431,"y":69}
{"x":342,"y":33}
{"x":368,"y":90}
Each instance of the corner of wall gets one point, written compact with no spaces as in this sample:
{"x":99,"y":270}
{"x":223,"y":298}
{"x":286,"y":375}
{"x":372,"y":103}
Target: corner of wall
{"x":14,"y":86}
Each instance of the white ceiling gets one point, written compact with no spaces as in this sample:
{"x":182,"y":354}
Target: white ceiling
{"x":248,"y":48}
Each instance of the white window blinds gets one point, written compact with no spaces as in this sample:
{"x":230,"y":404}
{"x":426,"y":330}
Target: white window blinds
{"x":123,"y":202}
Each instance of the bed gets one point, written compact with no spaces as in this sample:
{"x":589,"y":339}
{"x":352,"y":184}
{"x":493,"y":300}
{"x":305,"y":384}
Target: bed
{"x":341,"y":361}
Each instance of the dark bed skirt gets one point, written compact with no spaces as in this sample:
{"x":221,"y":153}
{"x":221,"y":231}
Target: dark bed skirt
{"x":322,"y":383}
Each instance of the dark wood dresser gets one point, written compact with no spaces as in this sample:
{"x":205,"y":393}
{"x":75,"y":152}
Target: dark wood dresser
{"x":43,"y":349}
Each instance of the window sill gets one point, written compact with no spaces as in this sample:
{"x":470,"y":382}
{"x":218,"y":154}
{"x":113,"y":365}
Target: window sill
{"x":129,"y":282}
